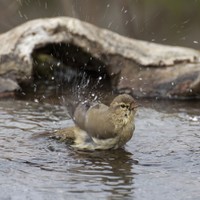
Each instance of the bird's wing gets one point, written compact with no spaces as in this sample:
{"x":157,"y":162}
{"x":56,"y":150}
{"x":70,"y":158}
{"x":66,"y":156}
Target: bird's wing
{"x":80,"y":114}
{"x":98,"y":122}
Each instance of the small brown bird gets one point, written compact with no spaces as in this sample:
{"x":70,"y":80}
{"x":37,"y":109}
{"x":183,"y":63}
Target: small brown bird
{"x":98,"y":126}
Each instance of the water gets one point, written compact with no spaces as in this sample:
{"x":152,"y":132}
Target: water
{"x":162,"y":161}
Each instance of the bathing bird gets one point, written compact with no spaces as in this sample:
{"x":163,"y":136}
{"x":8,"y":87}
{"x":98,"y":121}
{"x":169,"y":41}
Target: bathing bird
{"x":101,"y":127}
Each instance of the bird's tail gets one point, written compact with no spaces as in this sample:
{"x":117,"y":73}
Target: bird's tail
{"x":66,"y":134}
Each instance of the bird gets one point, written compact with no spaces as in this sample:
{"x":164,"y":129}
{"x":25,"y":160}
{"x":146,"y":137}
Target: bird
{"x":101,"y":127}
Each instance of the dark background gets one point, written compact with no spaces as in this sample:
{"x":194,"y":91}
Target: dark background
{"x":174,"y":22}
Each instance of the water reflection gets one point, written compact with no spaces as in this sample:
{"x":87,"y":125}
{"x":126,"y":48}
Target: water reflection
{"x":111,"y":172}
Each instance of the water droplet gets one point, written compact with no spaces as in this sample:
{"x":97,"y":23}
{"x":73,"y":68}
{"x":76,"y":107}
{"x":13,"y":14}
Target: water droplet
{"x":183,"y":38}
{"x":108,"y":5}
{"x":95,"y":98}
{"x":109,"y":25}
{"x":36,"y":100}
{"x":45,"y":5}
{"x":25,"y":16}
{"x":195,"y":42}
{"x":52,"y":78}
{"x":20,"y":14}
{"x":34,"y":88}
{"x":194,"y":119}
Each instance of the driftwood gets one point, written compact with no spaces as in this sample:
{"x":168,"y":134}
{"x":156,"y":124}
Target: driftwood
{"x":141,"y":68}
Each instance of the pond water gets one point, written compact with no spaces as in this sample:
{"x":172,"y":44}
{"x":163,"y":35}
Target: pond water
{"x":162,"y":160}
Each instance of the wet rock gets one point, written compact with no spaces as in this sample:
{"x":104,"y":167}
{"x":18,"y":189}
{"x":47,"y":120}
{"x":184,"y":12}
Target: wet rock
{"x":141,"y":68}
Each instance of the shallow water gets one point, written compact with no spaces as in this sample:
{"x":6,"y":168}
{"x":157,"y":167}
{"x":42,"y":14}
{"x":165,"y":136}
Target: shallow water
{"x":162,"y":161}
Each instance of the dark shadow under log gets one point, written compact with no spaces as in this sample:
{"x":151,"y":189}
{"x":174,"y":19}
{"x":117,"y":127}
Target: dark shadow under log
{"x":67,"y":72}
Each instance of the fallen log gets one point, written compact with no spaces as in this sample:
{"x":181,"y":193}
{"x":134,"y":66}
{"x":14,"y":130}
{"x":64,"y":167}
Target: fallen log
{"x":141,"y":68}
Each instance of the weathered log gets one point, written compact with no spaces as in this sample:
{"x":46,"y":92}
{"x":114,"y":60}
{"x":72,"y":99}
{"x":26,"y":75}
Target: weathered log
{"x":143,"y":69}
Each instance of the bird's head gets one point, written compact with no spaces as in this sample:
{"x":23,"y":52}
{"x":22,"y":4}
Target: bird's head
{"x":124,"y":104}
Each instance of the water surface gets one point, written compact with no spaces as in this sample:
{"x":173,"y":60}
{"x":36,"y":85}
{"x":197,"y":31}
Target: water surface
{"x":162,"y":161}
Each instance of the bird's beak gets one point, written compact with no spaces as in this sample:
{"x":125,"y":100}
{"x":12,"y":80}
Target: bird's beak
{"x":134,"y":105}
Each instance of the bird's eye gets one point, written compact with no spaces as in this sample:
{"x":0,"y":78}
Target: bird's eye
{"x":123,"y":106}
